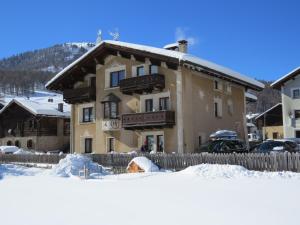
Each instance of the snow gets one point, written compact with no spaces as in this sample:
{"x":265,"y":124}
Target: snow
{"x":204,"y":194}
{"x":251,"y":96}
{"x":180,"y":56}
{"x":8,"y":149}
{"x":39,"y":104}
{"x":22,"y":152}
{"x":223,"y":133}
{"x":144,"y":163}
{"x":72,"y":164}
{"x":251,"y":116}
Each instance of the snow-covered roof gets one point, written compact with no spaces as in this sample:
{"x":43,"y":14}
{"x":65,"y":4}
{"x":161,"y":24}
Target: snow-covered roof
{"x":273,"y":107}
{"x":145,"y":164}
{"x":172,"y":45}
{"x":180,"y":56}
{"x":41,"y":106}
{"x":278,"y":83}
{"x":250,"y":96}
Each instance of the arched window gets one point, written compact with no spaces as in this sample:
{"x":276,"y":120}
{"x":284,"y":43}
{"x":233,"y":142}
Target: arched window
{"x":17,"y":143}
{"x":9,"y":143}
{"x":29,"y":144}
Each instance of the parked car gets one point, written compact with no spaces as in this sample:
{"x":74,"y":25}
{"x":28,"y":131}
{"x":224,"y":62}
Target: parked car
{"x":224,"y":146}
{"x":277,"y":146}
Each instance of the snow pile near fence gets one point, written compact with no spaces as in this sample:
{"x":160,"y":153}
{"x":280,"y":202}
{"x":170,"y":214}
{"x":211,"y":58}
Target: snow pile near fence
{"x":10,"y":170}
{"x":8,"y":149}
{"x":72,"y":164}
{"x":22,"y":152}
{"x":212,"y":171}
{"x":145,"y":164}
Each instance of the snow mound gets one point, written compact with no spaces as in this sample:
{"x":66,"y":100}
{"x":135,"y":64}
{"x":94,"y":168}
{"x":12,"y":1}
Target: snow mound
{"x":144,"y":163}
{"x":233,"y":171}
{"x":8,"y":149}
{"x":22,"y":152}
{"x":72,"y":164}
{"x":11,"y":170}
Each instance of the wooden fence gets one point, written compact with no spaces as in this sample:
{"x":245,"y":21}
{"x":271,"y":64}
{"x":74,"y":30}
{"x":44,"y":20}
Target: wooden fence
{"x":252,"y":161}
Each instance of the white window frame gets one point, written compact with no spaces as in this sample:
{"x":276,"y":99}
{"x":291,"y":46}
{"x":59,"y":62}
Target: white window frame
{"x":134,"y":69}
{"x":220,"y":85}
{"x":228,"y":87}
{"x":292,"y":92}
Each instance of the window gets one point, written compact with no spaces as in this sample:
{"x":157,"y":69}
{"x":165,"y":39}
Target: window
{"x":218,"y":107}
{"x":17,"y":143}
{"x":93,"y":82}
{"x":110,"y":110}
{"x":297,"y":133}
{"x":140,"y":71}
{"x":88,"y":142}
{"x":275,"y":135}
{"x":164,"y":103}
{"x":115,"y":78}
{"x":228,"y":88}
{"x":9,"y":143}
{"x":29,"y":144}
{"x":110,"y":144}
{"x":87,"y":115}
{"x":199,"y":141}
{"x":153,"y":69}
{"x":216,"y":85}
{"x":297,"y":114}
{"x":160,"y":143}
{"x":296,"y":93}
{"x":149,"y":143}
{"x":230,"y":108}
{"x":149,"y":105}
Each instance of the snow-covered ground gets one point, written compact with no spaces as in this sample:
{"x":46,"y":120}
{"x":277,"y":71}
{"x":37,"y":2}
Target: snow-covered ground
{"x":204,"y":194}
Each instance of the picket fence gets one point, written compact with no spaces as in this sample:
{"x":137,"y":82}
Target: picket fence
{"x":252,"y":161}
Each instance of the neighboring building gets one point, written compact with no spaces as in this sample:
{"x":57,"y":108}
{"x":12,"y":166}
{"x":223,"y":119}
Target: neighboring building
{"x":289,"y":85}
{"x":270,"y":123}
{"x":41,"y":124}
{"x":253,"y":132}
{"x":129,"y":97}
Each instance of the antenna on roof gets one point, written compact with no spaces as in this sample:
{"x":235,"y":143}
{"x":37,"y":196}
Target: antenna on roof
{"x":99,"y":37}
{"x":115,"y":35}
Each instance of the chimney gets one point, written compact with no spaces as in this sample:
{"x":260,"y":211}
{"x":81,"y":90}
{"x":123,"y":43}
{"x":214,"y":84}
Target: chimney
{"x":50,"y":99}
{"x":61,"y":107}
{"x":183,"y":46}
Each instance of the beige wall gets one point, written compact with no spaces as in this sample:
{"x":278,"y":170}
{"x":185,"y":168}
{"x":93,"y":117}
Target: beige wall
{"x":268,"y":131}
{"x":198,"y":104}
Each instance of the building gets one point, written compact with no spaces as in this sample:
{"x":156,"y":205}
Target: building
{"x":129,"y":97}
{"x":289,"y":85}
{"x":41,"y":124}
{"x":270,"y":123}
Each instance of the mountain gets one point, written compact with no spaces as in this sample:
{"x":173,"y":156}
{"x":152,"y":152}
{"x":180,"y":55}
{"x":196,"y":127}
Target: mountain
{"x":28,"y":71}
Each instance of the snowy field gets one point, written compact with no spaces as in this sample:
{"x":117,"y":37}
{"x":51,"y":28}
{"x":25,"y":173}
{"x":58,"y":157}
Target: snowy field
{"x":204,"y":194}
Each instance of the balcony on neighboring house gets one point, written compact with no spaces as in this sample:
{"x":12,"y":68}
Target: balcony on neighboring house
{"x":80,"y":95}
{"x":148,"y":120}
{"x":140,"y":84}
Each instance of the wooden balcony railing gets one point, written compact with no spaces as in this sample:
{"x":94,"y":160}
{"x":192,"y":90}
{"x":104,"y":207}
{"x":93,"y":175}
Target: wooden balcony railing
{"x":159,"y":119}
{"x":140,"y":84}
{"x":79,"y":95}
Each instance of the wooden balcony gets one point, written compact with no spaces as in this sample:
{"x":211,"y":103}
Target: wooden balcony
{"x":148,"y":120}
{"x":79,"y":95}
{"x":140,"y":84}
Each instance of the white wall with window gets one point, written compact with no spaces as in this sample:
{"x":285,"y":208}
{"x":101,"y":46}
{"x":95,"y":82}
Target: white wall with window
{"x":110,"y":144}
{"x":86,"y":144}
{"x":155,"y":102}
{"x":144,"y":69}
{"x":153,"y":141}
{"x":113,"y":76}
{"x":218,"y":86}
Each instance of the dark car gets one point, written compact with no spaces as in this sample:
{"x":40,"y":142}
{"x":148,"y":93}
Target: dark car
{"x":276,"y":146}
{"x":224,"y":146}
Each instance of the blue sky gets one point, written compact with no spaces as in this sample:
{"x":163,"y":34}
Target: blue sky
{"x":256,"y":38}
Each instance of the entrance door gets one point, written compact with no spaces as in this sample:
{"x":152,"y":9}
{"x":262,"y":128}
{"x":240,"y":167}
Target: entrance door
{"x":150,"y":143}
{"x":160,"y":143}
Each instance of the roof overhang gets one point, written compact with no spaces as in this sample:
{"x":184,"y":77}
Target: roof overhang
{"x":280,"y":82}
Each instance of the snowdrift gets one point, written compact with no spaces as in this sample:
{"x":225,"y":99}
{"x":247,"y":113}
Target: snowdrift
{"x":143,"y":163}
{"x":72,"y":164}
{"x":232,"y":171}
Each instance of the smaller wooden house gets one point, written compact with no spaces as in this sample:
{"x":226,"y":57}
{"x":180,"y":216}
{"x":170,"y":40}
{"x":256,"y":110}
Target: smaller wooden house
{"x":41,"y":124}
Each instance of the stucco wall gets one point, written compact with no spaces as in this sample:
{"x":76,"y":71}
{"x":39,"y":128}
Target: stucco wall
{"x":268,"y":131}
{"x":290,"y":125}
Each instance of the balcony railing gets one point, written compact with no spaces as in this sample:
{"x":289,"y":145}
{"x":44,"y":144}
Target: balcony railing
{"x":140,"y":84}
{"x":159,"y":119}
{"x":79,"y":95}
